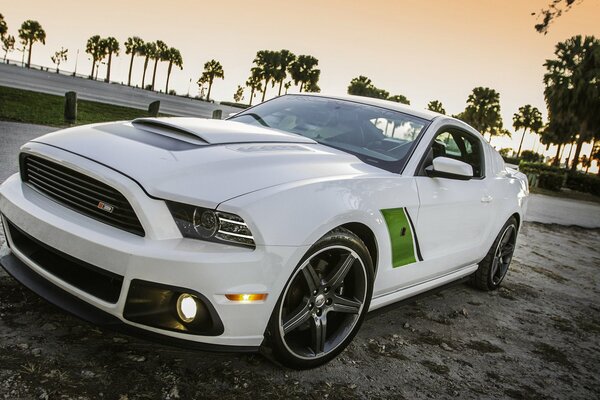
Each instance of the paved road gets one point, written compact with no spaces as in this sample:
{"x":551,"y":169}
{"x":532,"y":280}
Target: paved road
{"x":548,"y":209}
{"x":542,"y":208}
{"x":52,"y":83}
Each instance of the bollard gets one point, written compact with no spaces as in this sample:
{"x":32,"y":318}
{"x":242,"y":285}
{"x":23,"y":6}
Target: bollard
{"x":153,"y":108}
{"x":71,"y":107}
{"x":217,"y":114}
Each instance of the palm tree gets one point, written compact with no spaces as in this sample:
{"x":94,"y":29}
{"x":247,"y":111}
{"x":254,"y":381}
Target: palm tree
{"x":174,"y":58}
{"x":302,"y":69}
{"x":8,"y":44}
{"x":436,"y":106}
{"x":112,"y":47}
{"x":266,"y":62}
{"x":238,"y":95}
{"x":148,"y":51}
{"x":528,"y":117}
{"x":572,"y":86}
{"x":31,"y":32}
{"x":284,"y":60}
{"x":96,"y":49}
{"x":159,"y":55}
{"x":483,"y":112}
{"x":59,"y":56}
{"x":559,"y":131}
{"x":3,"y":26}
{"x":133,"y":46}
{"x":254,"y":82}
{"x":212,"y":69}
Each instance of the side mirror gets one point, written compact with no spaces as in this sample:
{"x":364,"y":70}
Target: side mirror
{"x":444,"y":167}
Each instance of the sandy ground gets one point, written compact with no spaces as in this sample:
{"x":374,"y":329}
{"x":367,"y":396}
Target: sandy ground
{"x":537,"y":337}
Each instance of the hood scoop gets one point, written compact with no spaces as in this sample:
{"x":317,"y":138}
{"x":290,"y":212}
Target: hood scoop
{"x":204,"y":132}
{"x":164,"y":128}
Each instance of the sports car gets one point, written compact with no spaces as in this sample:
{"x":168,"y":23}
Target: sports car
{"x":275,"y":230}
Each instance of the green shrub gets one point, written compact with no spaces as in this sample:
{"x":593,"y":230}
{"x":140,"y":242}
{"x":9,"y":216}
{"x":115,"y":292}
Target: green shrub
{"x":551,"y":180}
{"x":511,"y":160}
{"x":536,"y":168}
{"x":505,"y":152}
{"x":530,"y":156}
{"x":584,"y":183}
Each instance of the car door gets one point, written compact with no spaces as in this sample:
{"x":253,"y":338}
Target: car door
{"x":454,"y":215}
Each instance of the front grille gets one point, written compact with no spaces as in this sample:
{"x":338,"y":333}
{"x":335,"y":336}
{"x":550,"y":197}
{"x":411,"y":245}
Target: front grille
{"x":80,"y":192}
{"x":98,"y":282}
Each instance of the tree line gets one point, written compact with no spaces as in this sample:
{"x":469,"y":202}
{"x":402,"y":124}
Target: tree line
{"x":572,"y":96}
{"x":572,"y":92}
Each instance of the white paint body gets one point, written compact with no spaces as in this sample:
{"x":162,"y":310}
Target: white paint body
{"x":287,"y":188}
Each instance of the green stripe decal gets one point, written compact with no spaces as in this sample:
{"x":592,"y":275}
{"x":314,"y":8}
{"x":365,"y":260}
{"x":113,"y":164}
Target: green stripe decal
{"x":401,"y":236}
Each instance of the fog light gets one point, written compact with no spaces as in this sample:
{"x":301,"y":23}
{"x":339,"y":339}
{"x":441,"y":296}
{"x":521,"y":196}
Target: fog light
{"x":186,"y":307}
{"x":246,"y":297}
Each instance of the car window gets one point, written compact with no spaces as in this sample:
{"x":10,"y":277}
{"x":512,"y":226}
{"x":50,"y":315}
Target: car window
{"x":378,"y":136}
{"x":460,"y":146}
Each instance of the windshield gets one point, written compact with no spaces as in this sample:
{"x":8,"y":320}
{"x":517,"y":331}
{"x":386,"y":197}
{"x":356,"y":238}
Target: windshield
{"x":378,"y":136}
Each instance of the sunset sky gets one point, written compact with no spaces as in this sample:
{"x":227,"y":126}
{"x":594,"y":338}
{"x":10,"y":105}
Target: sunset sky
{"x":424,"y":50}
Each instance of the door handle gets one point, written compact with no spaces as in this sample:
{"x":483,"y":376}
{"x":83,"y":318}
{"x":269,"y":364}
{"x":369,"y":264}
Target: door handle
{"x":487,"y":199}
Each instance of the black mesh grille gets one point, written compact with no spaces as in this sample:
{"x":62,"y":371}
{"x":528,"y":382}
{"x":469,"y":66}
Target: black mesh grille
{"x":93,"y":280}
{"x":80,"y":192}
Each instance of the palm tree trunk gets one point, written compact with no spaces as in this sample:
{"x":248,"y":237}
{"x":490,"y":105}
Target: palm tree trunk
{"x":251,"y":95}
{"x":154,"y":73}
{"x":29,"y":55}
{"x":130,"y":68}
{"x":280,"y":84}
{"x":301,"y":86}
{"x":108,"y":67}
{"x":521,"y":142}
{"x":580,"y":140}
{"x":556,"y":161}
{"x":144,"y":74}
{"x":168,"y":75}
{"x":210,"y":82}
{"x":93,"y":68}
{"x":265,"y":89}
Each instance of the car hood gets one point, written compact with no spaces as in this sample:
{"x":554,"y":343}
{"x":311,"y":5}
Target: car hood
{"x":204,"y":162}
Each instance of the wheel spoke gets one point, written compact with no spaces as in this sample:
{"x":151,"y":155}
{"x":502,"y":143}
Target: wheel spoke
{"x":507,"y":236}
{"x":319,"y":334}
{"x":338,"y":275}
{"x":300,"y":316}
{"x":495,"y":267}
{"x":344,"y":305}
{"x":312,"y":278}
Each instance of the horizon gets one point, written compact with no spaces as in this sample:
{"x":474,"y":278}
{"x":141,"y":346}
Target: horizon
{"x":478,"y":44}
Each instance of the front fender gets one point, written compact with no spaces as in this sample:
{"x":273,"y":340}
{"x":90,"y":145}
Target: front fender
{"x":299,"y":213}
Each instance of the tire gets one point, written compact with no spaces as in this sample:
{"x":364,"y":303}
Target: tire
{"x":323,"y":303}
{"x":493,"y":268}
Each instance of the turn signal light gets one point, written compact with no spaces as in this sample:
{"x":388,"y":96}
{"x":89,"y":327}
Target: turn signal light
{"x":246,"y":297}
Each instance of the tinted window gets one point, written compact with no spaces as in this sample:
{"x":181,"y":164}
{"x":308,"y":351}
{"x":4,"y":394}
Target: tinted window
{"x":378,"y":136}
{"x":459,"y":146}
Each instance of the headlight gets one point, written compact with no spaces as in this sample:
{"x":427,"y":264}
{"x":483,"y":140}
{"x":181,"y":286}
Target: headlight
{"x":215,"y":226}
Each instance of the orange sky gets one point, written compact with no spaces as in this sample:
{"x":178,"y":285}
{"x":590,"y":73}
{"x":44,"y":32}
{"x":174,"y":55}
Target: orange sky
{"x":423,"y":49}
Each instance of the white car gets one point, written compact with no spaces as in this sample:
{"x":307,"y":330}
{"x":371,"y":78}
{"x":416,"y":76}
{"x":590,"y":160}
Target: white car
{"x":278,"y":229}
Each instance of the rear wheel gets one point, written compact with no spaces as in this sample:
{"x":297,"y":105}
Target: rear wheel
{"x":323,"y":303}
{"x":493,"y":268}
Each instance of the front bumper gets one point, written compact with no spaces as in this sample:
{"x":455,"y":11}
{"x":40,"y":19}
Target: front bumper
{"x":162,"y":256}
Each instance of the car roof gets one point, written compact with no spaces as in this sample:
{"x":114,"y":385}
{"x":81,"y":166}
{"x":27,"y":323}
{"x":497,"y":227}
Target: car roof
{"x":391,"y":105}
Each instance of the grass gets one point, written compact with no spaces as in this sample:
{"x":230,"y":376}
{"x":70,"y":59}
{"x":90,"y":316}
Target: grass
{"x":46,"y":109}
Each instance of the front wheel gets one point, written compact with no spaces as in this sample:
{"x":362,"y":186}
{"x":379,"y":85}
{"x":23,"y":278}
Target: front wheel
{"x":493,"y":268}
{"x":324,"y":302}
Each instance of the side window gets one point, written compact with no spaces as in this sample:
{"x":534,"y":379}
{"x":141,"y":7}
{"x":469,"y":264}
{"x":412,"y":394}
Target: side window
{"x":459,"y":146}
